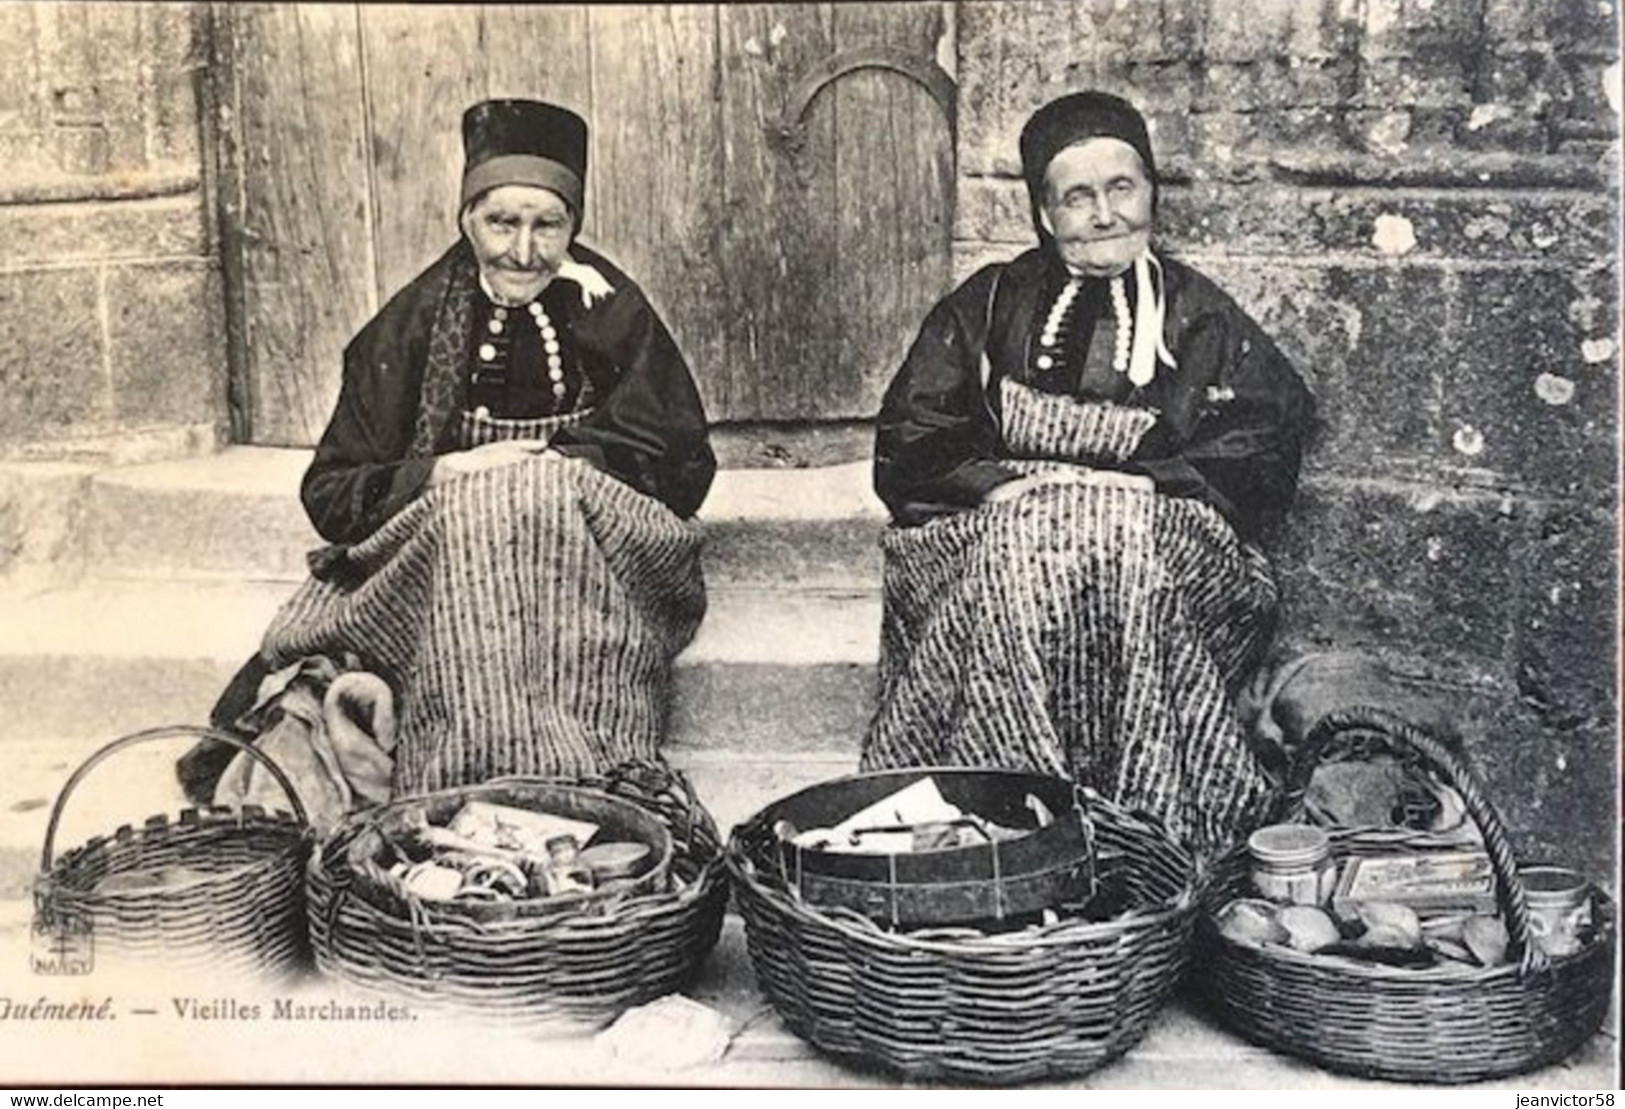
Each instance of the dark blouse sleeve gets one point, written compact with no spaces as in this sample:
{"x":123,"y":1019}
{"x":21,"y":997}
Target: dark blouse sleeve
{"x":650,"y":430}
{"x":936,"y":440}
{"x":360,"y":475}
{"x":1235,"y":436}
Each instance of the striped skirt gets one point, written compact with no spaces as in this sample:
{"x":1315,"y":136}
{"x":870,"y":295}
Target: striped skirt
{"x":527,"y":618}
{"x":1091,"y":633}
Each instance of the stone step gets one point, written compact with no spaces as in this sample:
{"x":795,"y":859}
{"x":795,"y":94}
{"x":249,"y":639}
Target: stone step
{"x":770,"y":670}
{"x":236,"y":515}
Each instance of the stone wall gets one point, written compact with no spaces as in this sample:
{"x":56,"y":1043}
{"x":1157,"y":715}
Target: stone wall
{"x":1417,"y":198}
{"x":111,"y":315}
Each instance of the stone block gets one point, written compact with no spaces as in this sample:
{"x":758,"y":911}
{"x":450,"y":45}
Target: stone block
{"x":1001,"y":77}
{"x":1514,"y":368}
{"x":1578,"y":27}
{"x":1404,"y":568}
{"x":993,"y":210}
{"x":1159,"y":88}
{"x":163,"y":227}
{"x":52,"y":371}
{"x":1409,"y":28}
{"x":1367,"y":351}
{"x":1495,"y":129}
{"x":1277,"y":83}
{"x":1508,"y":226}
{"x":1245,"y":32}
{"x":166,"y":343}
{"x":1442,"y":81}
{"x":1567,"y":633}
{"x":116,"y":48}
{"x":1518,"y":76}
{"x":18,"y":103}
{"x":1115,"y":29}
{"x":1183,"y":29}
{"x":1583,"y":95}
{"x":178,"y":45}
{"x":1512,"y":22}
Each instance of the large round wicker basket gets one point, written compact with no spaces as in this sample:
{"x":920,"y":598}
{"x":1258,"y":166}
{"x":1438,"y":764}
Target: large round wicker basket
{"x":957,"y":1004}
{"x":214,"y":892}
{"x":557,"y":972}
{"x":1445,"y":1024}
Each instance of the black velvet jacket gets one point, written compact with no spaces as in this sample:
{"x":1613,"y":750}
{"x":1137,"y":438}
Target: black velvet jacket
{"x":647,"y":427}
{"x":1233,"y":420}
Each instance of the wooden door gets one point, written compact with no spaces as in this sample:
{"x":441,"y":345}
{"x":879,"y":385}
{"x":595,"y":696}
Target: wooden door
{"x":778,"y":178}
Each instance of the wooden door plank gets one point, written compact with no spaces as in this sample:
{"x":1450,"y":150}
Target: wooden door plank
{"x":425,"y":66}
{"x":781,"y":327}
{"x":541,"y":52}
{"x":306,"y":234}
{"x":657,"y":145}
{"x":894,"y":159}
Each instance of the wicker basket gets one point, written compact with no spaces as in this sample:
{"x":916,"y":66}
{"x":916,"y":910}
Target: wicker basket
{"x":1444,"y":1024}
{"x":960,"y":1005}
{"x":559,"y":972}
{"x":234,"y":904}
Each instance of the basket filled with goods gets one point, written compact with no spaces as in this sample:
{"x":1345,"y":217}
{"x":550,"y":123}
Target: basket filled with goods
{"x":1397,"y":953}
{"x":213,"y":891}
{"x":549,"y":904}
{"x":963,"y":924}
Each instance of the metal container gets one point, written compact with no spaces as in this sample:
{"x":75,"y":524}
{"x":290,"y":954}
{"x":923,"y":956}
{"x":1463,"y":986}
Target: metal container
{"x":1043,"y":868}
{"x":1559,"y":908}
{"x":1292,"y":864}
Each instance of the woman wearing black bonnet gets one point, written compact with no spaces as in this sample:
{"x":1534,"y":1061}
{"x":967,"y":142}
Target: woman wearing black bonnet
{"x":506,"y":485}
{"x":1082,"y":453}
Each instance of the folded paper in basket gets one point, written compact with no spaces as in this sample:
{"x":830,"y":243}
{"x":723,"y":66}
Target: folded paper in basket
{"x":516,"y":829}
{"x":920,"y":803}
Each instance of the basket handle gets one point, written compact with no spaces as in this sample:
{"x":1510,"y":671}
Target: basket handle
{"x":1402,"y":736}
{"x":172,"y":731}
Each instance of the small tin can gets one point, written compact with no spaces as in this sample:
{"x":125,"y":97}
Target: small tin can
{"x":565,"y":872}
{"x":614,"y":861}
{"x":1292,"y":864}
{"x":1559,"y":908}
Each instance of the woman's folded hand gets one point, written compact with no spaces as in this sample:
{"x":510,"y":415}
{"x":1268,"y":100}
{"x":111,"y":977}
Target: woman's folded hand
{"x":491,"y":456}
{"x":1071,"y":475}
{"x":1117,"y":479}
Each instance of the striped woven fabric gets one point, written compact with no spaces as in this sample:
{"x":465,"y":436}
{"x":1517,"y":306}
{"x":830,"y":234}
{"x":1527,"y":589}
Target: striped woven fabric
{"x":527,"y":617}
{"x":1094,"y":633}
{"x":1051,"y":425}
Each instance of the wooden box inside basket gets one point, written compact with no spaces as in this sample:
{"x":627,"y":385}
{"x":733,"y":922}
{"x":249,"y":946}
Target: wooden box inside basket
{"x":993,"y":881}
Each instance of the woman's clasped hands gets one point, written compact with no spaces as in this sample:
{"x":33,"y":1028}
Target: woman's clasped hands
{"x":491,"y":456}
{"x":1070,"y":475}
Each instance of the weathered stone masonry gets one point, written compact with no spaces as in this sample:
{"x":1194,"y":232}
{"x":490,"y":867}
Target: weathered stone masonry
{"x":1418,"y":200}
{"x":111,"y":333}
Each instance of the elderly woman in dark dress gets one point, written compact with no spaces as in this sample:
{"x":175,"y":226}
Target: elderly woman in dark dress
{"x":506,"y":482}
{"x":1080,"y":454}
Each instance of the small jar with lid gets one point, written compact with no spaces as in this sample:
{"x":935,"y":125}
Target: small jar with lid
{"x":1559,"y":908}
{"x":1292,"y":864}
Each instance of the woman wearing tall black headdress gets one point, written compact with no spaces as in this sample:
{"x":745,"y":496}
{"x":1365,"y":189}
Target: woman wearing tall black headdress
{"x":506,"y":482}
{"x":1081,"y":453}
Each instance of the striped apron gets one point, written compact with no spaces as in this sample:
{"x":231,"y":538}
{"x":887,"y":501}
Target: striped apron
{"x":1093,"y":633}
{"x":527,"y":617}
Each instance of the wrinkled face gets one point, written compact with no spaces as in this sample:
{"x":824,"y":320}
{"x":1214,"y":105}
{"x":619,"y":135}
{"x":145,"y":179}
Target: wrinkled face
{"x":1097,"y":204}
{"x":521,"y":236}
